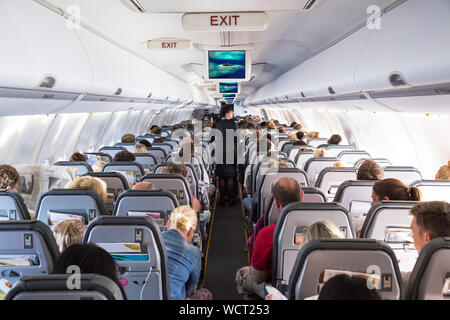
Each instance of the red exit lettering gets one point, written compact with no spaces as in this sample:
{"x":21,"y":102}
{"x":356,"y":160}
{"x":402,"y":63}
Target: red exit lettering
{"x":169,"y":45}
{"x":224,"y":20}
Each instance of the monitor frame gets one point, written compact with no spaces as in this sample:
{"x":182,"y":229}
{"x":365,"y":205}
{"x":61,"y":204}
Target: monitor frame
{"x":248,"y":64}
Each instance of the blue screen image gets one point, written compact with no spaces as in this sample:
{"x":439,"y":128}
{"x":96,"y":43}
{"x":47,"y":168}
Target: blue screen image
{"x":231,"y":87}
{"x":229,"y":96}
{"x":227,"y":64}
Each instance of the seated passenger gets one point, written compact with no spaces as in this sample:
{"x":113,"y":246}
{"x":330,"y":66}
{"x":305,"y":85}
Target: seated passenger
{"x":335,"y":139}
{"x":298,"y":126}
{"x":344,"y":287}
{"x":444,"y":172}
{"x":144,"y":186}
{"x":312,"y":135}
{"x":146,"y":143}
{"x":128,"y":138}
{"x":90,"y":183}
{"x":184,"y":259}
{"x":389,"y":189}
{"x":285,"y":191}
{"x":9,"y":178}
{"x":90,"y":259}
{"x":338,"y":164}
{"x":67,"y":233}
{"x":282,"y":130}
{"x":140,"y":148}
{"x":292,"y":136}
{"x":77,"y":157}
{"x":320,"y":153}
{"x":98,"y":166}
{"x":293,"y":124}
{"x":271,"y":126}
{"x":158,"y":140}
{"x":370,"y":170}
{"x":300,"y":135}
{"x":124,"y":156}
{"x":156,"y":131}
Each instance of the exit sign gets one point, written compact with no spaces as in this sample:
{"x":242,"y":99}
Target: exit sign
{"x":232,"y":21}
{"x":169,"y":44}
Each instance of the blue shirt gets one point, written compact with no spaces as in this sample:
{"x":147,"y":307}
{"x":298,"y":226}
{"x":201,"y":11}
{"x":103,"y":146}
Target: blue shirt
{"x":184,"y":265}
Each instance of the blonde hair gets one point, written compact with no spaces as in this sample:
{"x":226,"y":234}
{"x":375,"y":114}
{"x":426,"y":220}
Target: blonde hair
{"x":292,"y":136}
{"x":67,"y":233}
{"x":271,"y":125}
{"x":338,"y":164}
{"x":98,"y":166}
{"x":183,"y":218}
{"x":320,"y":153}
{"x":91,"y":183}
{"x":139,"y":148}
{"x":313,"y":135}
{"x":321,"y":230}
{"x":444,"y":172}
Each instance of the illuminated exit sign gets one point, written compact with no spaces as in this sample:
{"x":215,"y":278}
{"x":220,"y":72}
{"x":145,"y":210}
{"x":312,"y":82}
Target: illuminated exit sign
{"x":169,"y":44}
{"x":232,"y":21}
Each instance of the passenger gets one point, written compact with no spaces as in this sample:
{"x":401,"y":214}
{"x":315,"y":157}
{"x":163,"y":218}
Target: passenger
{"x":98,"y":166}
{"x":77,"y":157}
{"x":344,"y":287}
{"x":271,"y":126}
{"x":156,"y":131}
{"x":444,"y":172}
{"x":338,"y":164}
{"x":335,"y":139}
{"x":312,"y":135}
{"x":298,"y":127}
{"x":146,"y":143}
{"x":299,"y":143}
{"x":67,"y":233}
{"x":9,"y":178}
{"x":292,"y":136}
{"x":124,"y":156}
{"x":129,"y":138}
{"x":158,"y":140}
{"x":184,"y":259}
{"x":140,"y":148}
{"x":282,"y":130}
{"x":300,"y":135}
{"x":285,"y":191}
{"x":144,"y":186}
{"x":91,"y":259}
{"x":90,"y":183}
{"x":320,"y":153}
{"x":173,"y":168}
{"x":293,"y":124}
{"x":370,"y":170}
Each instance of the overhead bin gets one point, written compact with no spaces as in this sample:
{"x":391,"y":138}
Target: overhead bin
{"x":39,"y":47}
{"x":412,"y":43}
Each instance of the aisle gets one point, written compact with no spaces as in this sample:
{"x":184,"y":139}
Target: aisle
{"x":226,"y":253}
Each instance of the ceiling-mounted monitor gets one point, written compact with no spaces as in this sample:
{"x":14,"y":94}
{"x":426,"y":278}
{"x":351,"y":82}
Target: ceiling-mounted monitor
{"x":228,"y":65}
{"x":229,"y":96}
{"x":228,"y":88}
{"x":229,"y":101}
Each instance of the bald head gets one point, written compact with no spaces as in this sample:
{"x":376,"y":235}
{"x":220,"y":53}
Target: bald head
{"x":144,"y":186}
{"x":287,"y":190}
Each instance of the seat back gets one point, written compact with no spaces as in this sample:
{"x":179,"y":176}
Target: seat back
{"x":292,"y":223}
{"x":317,"y":142}
{"x":127,"y":146}
{"x":355,"y":196}
{"x":26,"y":248}
{"x":314,"y":166}
{"x":430,"y":278}
{"x":407,"y":175}
{"x":12,"y":207}
{"x":434,"y":190}
{"x":381,"y":161}
{"x":191,"y":176}
{"x":155,"y":204}
{"x":292,"y":152}
{"x":262,"y":169}
{"x":54,"y":287}
{"x":265,"y":189}
{"x":83,"y":167}
{"x":330,"y":179}
{"x":354,"y":255}
{"x":167,"y":147}
{"x":174,"y":183}
{"x":147,"y":161}
{"x":93,"y":157}
{"x":144,"y":271}
{"x":302,"y":157}
{"x":159,"y":154}
{"x":132,"y":171}
{"x":349,"y":158}
{"x":149,"y":138}
{"x":334,"y":150}
{"x":57,"y":205}
{"x":311,"y":195}
{"x":112,"y":151}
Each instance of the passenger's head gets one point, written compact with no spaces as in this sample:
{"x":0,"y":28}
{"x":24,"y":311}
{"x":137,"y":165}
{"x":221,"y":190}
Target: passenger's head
{"x":271,"y":125}
{"x":90,"y":183}
{"x":344,"y":287}
{"x":286,"y":191}
{"x":312,"y":135}
{"x":98,"y":166}
{"x":124,"y":156}
{"x":90,"y":258}
{"x":144,"y":186}
{"x":320,"y":153}
{"x":67,"y":233}
{"x":146,"y":143}
{"x":335,"y":139}
{"x":156,"y":131}
{"x":430,"y":220}
{"x":129,"y":138}
{"x":292,"y":136}
{"x":321,"y":230}
{"x":338,"y":164}
{"x":293,"y":124}
{"x":9,"y":177}
{"x":394,"y":189}
{"x":184,"y":220}
{"x":139,"y":148}
{"x":300,"y":135}
{"x":77,"y":157}
{"x":444,"y":172}
{"x":227,"y":111}
{"x":174,"y":168}
{"x":282,"y":130}
{"x":370,"y":170}
{"x":299,"y":143}
{"x":298,"y":127}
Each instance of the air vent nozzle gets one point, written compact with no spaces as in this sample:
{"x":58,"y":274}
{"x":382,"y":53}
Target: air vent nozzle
{"x":48,"y":82}
{"x":309,"y":4}
{"x":118,"y":92}
{"x":397,"y":79}
{"x":331,"y":90}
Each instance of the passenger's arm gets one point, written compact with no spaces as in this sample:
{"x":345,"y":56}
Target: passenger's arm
{"x":196,"y":204}
{"x":259,"y":276}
